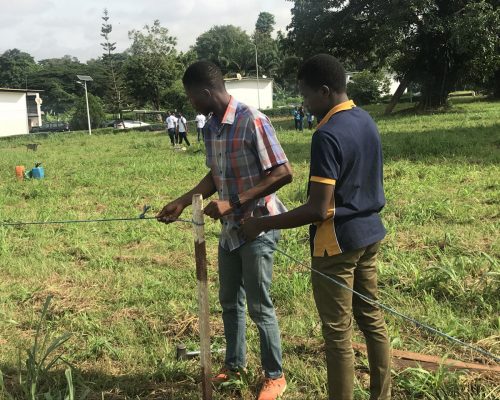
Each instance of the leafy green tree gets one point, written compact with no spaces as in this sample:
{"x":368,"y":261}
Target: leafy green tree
{"x":432,"y":43}
{"x":265,"y":23}
{"x":174,"y":98}
{"x":57,"y":78}
{"x":285,"y":75}
{"x":266,"y":46}
{"x":227,"y":46}
{"x":153,"y":65}
{"x":79,"y":119}
{"x":367,"y":87}
{"x":15,"y":68}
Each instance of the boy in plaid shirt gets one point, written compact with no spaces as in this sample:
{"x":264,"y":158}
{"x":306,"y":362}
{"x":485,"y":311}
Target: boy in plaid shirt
{"x":247,"y":166}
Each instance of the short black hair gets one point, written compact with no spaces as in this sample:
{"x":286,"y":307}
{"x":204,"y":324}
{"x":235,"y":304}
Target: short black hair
{"x":323,"y":69}
{"x":203,"y":74}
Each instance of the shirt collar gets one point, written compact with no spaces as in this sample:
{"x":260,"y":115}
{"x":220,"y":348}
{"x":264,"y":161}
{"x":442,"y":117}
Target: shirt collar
{"x":230,"y":113}
{"x":346,"y":105}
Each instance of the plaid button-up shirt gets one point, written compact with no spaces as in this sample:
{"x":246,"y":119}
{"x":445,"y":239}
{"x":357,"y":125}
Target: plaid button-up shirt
{"x":241,"y":149}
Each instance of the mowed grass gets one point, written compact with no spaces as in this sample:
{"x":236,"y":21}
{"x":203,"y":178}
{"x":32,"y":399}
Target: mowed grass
{"x":126,"y":291}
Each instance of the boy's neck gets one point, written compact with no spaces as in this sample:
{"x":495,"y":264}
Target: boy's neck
{"x":334,"y":101}
{"x":220,"y":103}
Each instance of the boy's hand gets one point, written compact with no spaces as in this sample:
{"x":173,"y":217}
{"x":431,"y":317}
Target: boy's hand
{"x":218,"y":208}
{"x":252,"y":227}
{"x":170,"y":212}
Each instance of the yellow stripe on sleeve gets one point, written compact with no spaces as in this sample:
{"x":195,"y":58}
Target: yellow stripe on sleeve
{"x":326,"y":181}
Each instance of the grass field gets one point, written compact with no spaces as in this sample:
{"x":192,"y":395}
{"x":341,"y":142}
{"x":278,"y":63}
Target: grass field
{"x":126,"y":291}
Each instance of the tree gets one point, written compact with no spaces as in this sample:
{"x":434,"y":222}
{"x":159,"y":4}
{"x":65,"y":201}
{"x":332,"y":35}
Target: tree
{"x":15,"y":68}
{"x":79,"y":120}
{"x":367,"y":87}
{"x":174,"y":98}
{"x":266,"y":46}
{"x":265,"y":23}
{"x":423,"y":41}
{"x":153,"y":65}
{"x":115,"y":79}
{"x":288,"y":65}
{"x":227,"y":46}
{"x":57,"y":78}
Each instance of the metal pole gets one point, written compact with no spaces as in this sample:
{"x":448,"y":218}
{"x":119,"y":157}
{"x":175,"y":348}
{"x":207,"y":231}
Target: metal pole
{"x":257,"y":71}
{"x":88,"y":112}
{"x":204,"y":313}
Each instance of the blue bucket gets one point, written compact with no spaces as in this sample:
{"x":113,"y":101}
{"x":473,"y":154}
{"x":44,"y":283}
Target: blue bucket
{"x":37,"y":173}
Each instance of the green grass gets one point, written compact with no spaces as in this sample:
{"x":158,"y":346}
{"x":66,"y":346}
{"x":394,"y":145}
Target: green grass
{"x":126,"y":291}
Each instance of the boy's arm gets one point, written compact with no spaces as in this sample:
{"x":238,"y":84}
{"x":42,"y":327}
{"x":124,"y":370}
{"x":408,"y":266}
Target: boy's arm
{"x":315,"y":210}
{"x":277,"y":178}
{"x":206,"y":187}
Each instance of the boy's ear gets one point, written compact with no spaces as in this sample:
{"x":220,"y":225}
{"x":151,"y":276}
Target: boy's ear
{"x":325,"y":91}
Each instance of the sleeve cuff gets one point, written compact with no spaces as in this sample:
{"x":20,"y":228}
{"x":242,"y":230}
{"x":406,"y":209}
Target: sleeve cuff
{"x":326,"y":181}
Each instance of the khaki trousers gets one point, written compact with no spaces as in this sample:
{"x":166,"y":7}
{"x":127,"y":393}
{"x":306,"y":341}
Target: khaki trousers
{"x":355,"y":269}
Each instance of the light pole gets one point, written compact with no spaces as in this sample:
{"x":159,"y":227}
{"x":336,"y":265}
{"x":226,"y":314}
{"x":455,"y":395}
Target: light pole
{"x":86,"y":78}
{"x":257,"y":71}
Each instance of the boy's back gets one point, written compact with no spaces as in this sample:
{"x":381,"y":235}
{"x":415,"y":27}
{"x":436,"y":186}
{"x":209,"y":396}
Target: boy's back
{"x":347,"y":149}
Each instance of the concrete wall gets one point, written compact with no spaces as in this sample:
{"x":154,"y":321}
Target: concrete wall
{"x":245,"y":90}
{"x":13,"y":114}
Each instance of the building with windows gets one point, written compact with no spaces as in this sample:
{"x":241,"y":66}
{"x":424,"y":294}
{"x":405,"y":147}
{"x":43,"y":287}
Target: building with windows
{"x":19,"y":111}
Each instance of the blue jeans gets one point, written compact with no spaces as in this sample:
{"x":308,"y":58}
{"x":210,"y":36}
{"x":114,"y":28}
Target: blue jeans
{"x":246,"y":273}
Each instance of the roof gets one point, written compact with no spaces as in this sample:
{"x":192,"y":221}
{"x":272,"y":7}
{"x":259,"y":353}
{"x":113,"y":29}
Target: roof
{"x":247,"y":79}
{"x":19,"y":90}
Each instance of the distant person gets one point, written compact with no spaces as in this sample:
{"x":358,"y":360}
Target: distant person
{"x":247,"y":165}
{"x":345,"y":197}
{"x":171,"y":123}
{"x":310,"y":119}
{"x":296,"y":117}
{"x":301,"y":115}
{"x":200,"y":123}
{"x":182,"y":130}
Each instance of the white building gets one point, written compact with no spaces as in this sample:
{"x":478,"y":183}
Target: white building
{"x":249,"y":91}
{"x":19,"y":111}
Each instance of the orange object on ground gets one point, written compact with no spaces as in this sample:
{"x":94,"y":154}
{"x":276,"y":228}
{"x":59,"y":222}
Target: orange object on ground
{"x":273,"y":389}
{"x":20,"y":172}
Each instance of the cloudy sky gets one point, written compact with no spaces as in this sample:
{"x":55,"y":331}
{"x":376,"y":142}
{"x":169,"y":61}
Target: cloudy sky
{"x":54,"y":28}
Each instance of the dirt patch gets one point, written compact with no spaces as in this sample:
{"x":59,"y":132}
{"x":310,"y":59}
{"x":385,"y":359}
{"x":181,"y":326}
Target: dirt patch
{"x":68,"y":295}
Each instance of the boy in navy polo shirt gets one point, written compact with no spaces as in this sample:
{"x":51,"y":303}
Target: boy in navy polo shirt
{"x":345,"y":197}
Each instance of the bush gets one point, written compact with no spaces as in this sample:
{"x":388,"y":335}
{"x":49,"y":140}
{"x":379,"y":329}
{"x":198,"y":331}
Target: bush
{"x":279,"y":112}
{"x":97,"y":115}
{"x":367,"y":87}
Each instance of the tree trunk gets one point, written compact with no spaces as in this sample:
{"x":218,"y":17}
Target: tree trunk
{"x":396,"y":96}
{"x":433,"y":97}
{"x":438,"y":85}
{"x":496,"y":85}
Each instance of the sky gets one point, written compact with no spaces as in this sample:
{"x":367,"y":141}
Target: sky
{"x":54,"y":28}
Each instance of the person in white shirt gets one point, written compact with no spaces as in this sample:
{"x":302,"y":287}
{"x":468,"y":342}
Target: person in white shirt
{"x":171,"y":123}
{"x":182,"y":129}
{"x":200,"y":123}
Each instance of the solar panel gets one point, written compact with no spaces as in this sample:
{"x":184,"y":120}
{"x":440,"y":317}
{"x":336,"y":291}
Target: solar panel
{"x":84,"y":78}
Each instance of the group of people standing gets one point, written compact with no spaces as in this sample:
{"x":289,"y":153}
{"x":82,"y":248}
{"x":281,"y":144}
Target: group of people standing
{"x":177,"y":127}
{"x":298,"y":117}
{"x":246,"y":166}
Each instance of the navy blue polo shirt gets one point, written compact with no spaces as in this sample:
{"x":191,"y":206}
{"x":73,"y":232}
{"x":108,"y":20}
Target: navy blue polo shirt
{"x":346,"y":152}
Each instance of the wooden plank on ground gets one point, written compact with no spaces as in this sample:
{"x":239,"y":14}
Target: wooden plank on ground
{"x":405,"y":359}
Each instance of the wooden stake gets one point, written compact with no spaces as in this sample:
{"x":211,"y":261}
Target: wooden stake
{"x":201,"y":275}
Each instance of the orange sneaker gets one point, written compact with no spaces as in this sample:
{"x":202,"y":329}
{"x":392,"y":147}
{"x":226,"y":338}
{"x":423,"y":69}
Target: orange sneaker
{"x":225,"y":375}
{"x":272,"y":389}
